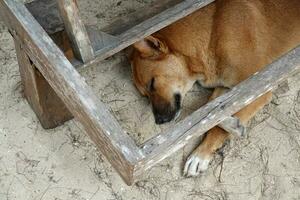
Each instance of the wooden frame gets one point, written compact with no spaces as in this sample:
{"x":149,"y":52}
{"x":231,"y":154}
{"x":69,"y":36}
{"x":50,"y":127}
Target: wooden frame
{"x":36,"y":48}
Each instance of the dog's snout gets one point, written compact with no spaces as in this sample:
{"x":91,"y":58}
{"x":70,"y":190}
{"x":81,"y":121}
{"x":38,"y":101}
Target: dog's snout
{"x":161,"y":119}
{"x":163,"y":114}
{"x":165,"y":111}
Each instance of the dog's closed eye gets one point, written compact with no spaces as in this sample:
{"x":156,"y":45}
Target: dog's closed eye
{"x":150,"y":85}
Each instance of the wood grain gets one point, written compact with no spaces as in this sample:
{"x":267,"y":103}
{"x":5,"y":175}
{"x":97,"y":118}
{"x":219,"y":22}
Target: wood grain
{"x":95,"y":117}
{"x":48,"y":107}
{"x":47,"y":14}
{"x":148,"y":27}
{"x":140,"y":23}
{"x":76,"y":31}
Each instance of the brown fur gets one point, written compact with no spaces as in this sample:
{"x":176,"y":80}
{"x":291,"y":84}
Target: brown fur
{"x":219,"y":46}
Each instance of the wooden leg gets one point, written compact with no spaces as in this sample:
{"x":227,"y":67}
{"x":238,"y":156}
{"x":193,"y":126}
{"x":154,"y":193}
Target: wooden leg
{"x":76,"y":30}
{"x":49,"y":109}
{"x":215,"y":138}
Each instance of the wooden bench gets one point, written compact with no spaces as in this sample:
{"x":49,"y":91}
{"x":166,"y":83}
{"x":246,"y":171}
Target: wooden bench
{"x":56,"y":91}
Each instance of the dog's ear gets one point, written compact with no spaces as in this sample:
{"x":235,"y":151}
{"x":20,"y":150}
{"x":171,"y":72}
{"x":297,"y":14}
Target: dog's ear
{"x":151,"y":47}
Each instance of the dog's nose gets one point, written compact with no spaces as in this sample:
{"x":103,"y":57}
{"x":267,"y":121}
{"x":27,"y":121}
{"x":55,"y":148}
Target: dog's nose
{"x":161,"y":119}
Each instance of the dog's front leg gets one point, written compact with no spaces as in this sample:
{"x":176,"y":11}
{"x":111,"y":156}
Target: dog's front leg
{"x":199,"y":160}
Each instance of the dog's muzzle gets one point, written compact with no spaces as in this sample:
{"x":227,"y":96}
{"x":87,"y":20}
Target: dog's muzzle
{"x":166,"y":111}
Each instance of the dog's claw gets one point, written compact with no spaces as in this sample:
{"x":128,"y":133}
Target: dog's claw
{"x":195,"y":165}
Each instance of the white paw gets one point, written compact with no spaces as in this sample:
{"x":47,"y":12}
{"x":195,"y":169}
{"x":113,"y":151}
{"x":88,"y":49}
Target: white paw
{"x":194,"y":165}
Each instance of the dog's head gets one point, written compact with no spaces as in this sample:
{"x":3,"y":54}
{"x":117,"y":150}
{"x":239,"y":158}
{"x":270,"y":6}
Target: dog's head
{"x":162,"y":75}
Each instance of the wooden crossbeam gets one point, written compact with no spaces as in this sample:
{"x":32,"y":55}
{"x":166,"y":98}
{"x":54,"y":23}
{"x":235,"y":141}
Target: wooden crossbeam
{"x":47,"y":14}
{"x":123,"y":39}
{"x":148,"y":27}
{"x":76,"y":31}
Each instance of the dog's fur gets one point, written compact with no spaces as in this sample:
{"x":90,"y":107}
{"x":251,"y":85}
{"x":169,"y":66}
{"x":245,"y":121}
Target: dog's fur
{"x":218,"y":46}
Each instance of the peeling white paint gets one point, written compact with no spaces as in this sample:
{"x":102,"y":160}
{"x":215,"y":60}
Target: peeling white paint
{"x":125,"y":150}
{"x":249,"y":99}
{"x":161,"y":140}
{"x":150,"y":161}
{"x":141,"y":154}
{"x":69,"y":8}
{"x":211,"y":116}
{"x":80,"y":36}
{"x":88,"y":101}
{"x":72,"y":85}
{"x":188,"y":137}
{"x":268,"y":86}
{"x":203,"y":121}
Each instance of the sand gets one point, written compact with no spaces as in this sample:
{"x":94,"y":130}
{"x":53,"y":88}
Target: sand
{"x":63,"y":164}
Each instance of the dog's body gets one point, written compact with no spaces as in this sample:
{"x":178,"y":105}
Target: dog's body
{"x":218,"y":46}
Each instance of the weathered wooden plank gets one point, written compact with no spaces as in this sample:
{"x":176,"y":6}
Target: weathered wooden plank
{"x":148,"y":27}
{"x":214,"y":112}
{"x":95,"y":117}
{"x":47,"y":14}
{"x":123,"y":24}
{"x":76,"y":30}
{"x":137,"y":32}
{"x":49,"y":109}
{"x":99,"y":39}
{"x":163,"y":19}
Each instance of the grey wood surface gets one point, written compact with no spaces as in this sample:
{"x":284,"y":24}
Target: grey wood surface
{"x":75,"y":29}
{"x":122,"y":24}
{"x":48,"y":107}
{"x":47,"y":14}
{"x":159,"y":18}
{"x":95,"y":117}
{"x":148,"y":27}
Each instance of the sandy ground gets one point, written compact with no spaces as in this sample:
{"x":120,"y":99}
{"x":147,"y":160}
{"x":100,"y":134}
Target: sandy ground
{"x":63,"y":164}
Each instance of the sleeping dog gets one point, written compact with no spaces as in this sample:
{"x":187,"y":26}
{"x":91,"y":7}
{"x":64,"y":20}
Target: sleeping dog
{"x":218,"y":46}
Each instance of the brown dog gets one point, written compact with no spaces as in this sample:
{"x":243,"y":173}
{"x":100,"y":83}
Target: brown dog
{"x":218,"y":46}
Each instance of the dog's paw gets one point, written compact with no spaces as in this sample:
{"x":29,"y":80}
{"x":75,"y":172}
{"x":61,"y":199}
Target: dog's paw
{"x":195,"y":164}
